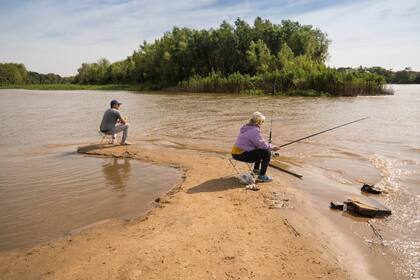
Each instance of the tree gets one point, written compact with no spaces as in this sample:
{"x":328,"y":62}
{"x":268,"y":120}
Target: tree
{"x":12,"y":73}
{"x":259,"y":57}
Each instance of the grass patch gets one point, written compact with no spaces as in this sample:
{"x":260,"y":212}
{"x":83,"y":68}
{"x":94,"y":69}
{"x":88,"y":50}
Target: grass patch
{"x":128,"y":87}
{"x":149,"y":87}
{"x":308,"y":93}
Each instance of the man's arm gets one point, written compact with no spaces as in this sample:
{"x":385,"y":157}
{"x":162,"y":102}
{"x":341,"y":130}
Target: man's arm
{"x":120,"y":119}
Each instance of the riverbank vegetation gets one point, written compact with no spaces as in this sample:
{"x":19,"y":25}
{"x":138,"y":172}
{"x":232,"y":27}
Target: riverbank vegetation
{"x":68,"y":86}
{"x":262,"y":58}
{"x":406,"y":76}
{"x":287,"y":58}
{"x":17,"y":74}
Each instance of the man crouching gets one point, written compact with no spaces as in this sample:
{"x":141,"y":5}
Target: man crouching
{"x":113,"y":123}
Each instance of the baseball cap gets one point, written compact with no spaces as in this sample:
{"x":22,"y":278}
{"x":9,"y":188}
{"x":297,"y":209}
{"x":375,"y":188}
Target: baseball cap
{"x":114,"y":102}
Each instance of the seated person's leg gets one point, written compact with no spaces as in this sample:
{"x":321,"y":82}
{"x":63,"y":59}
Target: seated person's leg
{"x":257,"y":165}
{"x":253,"y":156}
{"x":265,"y":156}
{"x":121,"y":128}
{"x":257,"y":156}
{"x":125,"y":133}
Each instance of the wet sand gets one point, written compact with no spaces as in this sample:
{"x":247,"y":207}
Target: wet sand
{"x":208,"y":227}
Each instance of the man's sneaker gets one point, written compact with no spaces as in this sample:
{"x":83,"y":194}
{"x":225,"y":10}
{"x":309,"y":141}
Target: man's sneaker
{"x":256,"y":171}
{"x":264,"y":178}
{"x":125,"y":143}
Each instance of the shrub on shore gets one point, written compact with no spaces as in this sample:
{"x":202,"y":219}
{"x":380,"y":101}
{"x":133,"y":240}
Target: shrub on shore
{"x":328,"y":82}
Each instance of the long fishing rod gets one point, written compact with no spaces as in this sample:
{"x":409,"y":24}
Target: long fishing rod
{"x":271,"y":123}
{"x":276,"y":154}
{"x":312,"y":135}
{"x":273,"y":164}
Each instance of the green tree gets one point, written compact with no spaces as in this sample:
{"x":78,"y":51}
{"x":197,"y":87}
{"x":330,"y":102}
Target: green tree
{"x":259,"y":57}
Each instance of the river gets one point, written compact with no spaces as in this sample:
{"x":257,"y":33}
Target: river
{"x":41,"y":129}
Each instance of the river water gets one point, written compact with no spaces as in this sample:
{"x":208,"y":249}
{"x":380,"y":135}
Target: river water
{"x":47,"y":190}
{"x":382,"y":150}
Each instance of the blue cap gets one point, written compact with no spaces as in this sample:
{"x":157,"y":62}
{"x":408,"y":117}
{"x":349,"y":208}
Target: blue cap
{"x":114,"y":102}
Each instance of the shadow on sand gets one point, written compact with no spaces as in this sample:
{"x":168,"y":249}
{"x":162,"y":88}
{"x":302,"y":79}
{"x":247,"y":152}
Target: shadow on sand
{"x":89,"y":148}
{"x":216,"y":185}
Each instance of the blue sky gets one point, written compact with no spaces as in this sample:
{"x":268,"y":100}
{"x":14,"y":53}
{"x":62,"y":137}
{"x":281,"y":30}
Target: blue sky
{"x":57,"y":36}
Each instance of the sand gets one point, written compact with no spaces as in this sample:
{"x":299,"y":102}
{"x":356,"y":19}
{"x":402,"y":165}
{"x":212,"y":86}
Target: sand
{"x":208,"y":227}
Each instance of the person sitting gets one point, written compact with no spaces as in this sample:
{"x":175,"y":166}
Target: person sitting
{"x":251,"y":147}
{"x":113,"y":123}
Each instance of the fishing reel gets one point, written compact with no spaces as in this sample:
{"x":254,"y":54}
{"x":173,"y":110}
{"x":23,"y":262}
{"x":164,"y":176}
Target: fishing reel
{"x":274,"y":154}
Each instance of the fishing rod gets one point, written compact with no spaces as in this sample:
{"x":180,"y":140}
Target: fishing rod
{"x":275,"y":154}
{"x":312,"y":135}
{"x":271,"y":123}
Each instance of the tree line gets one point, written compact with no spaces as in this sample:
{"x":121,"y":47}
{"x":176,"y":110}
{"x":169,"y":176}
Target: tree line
{"x":183,"y":53}
{"x":286,"y":58}
{"x":263,"y":57}
{"x":17,"y":74}
{"x":406,"y":76}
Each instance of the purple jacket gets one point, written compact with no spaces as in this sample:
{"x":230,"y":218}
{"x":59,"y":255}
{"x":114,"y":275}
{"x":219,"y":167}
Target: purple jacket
{"x":250,"y":138}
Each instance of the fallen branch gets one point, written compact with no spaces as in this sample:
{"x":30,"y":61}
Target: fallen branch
{"x":375,"y":231}
{"x":286,"y":222}
{"x":275,"y":165}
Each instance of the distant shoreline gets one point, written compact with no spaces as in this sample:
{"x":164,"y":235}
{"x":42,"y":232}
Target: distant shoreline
{"x":141,"y":87}
{"x":68,"y":86}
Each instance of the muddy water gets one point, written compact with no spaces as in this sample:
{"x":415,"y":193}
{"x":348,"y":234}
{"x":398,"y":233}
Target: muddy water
{"x":48,"y":190}
{"x":49,"y":195}
{"x":384,"y":150}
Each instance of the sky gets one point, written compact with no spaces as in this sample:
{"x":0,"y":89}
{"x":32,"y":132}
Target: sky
{"x":56,"y":36}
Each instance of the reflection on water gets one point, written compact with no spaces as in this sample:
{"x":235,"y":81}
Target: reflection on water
{"x":383,"y":149}
{"x":116,"y":172}
{"x":47,"y":195}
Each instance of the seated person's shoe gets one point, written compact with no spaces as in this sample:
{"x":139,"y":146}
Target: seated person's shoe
{"x":125,"y":143}
{"x":264,"y":178}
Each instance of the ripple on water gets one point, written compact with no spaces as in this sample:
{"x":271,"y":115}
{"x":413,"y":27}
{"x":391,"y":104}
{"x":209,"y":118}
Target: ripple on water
{"x":401,"y":230}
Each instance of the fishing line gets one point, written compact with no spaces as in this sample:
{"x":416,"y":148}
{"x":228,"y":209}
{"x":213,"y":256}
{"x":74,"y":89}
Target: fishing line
{"x":326,"y":130}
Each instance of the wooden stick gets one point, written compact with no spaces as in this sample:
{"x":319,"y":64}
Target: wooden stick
{"x":274,"y":165}
{"x":375,"y":231}
{"x":286,"y":222}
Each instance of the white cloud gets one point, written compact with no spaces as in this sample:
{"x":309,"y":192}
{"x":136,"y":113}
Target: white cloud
{"x":51,"y":37}
{"x":374,"y":33}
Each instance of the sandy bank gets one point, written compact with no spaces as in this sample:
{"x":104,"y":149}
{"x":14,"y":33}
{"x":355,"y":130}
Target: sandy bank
{"x":209,"y":227}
